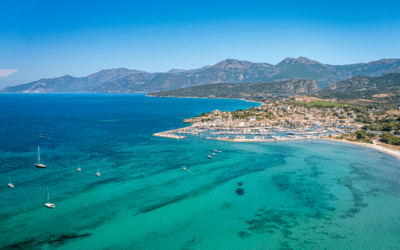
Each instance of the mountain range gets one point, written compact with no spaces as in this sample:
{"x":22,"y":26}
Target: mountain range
{"x":357,"y":87}
{"x":253,"y":91}
{"x":228,"y":71}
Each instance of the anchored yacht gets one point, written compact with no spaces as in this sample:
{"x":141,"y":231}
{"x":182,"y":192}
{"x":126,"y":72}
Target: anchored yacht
{"x":38,"y":165}
{"x":48,"y":204}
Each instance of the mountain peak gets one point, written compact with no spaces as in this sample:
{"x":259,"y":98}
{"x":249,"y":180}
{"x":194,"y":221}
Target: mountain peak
{"x":301,"y":59}
{"x":66,"y":76}
{"x":232,"y":64}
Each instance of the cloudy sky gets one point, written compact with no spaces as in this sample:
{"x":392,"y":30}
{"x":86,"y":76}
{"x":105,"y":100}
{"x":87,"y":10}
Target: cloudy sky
{"x":50,"y":39}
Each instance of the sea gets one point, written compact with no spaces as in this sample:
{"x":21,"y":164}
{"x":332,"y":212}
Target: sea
{"x":313,"y":194}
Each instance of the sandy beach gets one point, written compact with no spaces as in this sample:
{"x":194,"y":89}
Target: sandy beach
{"x":382,"y":149}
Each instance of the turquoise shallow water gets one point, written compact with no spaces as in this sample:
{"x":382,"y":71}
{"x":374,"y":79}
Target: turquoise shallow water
{"x":296,"y":195}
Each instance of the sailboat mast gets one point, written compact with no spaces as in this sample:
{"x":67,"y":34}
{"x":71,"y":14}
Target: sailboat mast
{"x":38,"y":152}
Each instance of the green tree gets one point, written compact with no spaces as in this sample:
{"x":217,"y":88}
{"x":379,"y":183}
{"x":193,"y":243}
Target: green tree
{"x":386,"y":137}
{"x":361,"y":134}
{"x":386,"y":127}
{"x":395,"y":140}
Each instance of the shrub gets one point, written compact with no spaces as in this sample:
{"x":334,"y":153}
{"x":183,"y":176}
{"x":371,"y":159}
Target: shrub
{"x":361,"y":134}
{"x":386,"y":137}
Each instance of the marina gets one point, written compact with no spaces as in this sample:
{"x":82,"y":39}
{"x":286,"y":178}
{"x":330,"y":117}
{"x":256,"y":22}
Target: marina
{"x":253,"y":134}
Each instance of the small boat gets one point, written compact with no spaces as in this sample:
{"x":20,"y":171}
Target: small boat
{"x":184,"y":168}
{"x":79,"y":169}
{"x":48,"y":204}
{"x":9,"y":183}
{"x":209,"y":156}
{"x":98,"y":173}
{"x":39,"y":165}
{"x":217,"y":151}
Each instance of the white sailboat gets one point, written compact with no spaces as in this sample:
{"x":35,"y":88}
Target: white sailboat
{"x":48,"y":204}
{"x":79,"y":169}
{"x":9,"y":182}
{"x":98,"y":173}
{"x":213,"y":153}
{"x":209,"y":156}
{"x":39,"y":165}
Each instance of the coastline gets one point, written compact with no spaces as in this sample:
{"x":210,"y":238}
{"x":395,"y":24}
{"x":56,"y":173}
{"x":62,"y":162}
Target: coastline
{"x":381,"y":149}
{"x":208,"y":98}
{"x":171,"y":134}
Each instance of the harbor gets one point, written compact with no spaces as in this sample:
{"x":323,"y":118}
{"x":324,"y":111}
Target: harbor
{"x":254,"y":134}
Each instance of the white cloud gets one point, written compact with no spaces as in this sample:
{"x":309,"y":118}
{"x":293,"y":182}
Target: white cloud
{"x":7,"y":72}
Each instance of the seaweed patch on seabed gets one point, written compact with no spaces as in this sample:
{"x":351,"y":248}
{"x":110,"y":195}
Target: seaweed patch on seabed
{"x":273,"y":221}
{"x":244,"y":234}
{"x":358,"y":197}
{"x":285,"y":246}
{"x":380,"y":180}
{"x":313,"y":162}
{"x":312,"y":194}
{"x":361,"y":174}
{"x":226,"y":205}
{"x":191,"y":244}
{"x":240,"y":191}
{"x":41,"y":240}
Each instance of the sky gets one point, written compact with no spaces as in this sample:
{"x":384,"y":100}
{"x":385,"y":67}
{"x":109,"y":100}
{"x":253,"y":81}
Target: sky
{"x":46,"y":39}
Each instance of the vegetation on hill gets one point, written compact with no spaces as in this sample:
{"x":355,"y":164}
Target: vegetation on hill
{"x":386,"y":125}
{"x":252,"y":91}
{"x":373,"y":92}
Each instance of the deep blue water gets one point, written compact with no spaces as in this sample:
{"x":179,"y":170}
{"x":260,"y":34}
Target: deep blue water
{"x":292,"y":195}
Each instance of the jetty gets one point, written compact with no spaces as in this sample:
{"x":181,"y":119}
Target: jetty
{"x":169,"y":134}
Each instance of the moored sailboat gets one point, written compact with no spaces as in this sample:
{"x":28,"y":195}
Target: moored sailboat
{"x":48,"y":204}
{"x":39,"y":165}
{"x":98,"y":173}
{"x":9,"y":182}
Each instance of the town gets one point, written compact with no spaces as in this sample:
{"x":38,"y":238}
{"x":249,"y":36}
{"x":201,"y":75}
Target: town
{"x":297,"y":117}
